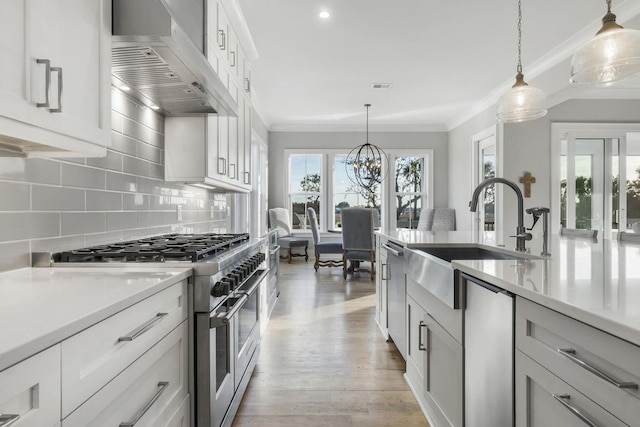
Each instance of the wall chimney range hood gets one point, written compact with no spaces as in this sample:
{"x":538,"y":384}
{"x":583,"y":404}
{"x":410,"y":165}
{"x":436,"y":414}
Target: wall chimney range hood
{"x":157,"y":53}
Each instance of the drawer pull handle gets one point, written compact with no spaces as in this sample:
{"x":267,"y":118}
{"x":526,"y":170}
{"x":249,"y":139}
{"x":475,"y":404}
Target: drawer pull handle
{"x":384,"y":272}
{"x":7,"y":419}
{"x":162,"y":386}
{"x":563,"y":398}
{"x":47,"y":82}
{"x":570,"y":354}
{"x":421,"y":346}
{"x":143,"y":328}
{"x":59,"y":109}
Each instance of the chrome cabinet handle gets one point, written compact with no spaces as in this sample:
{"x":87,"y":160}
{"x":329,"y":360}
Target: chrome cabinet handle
{"x":7,"y":419}
{"x":562,"y":398}
{"x":222,"y":170}
{"x":247,"y":85}
{"x":47,"y":80}
{"x":421,"y":346}
{"x":570,"y":354}
{"x":384,"y":271}
{"x":223,"y":40}
{"x":247,"y":177}
{"x":143,"y":328}
{"x":232,"y":176}
{"x":392,"y":250}
{"x":59,"y":71}
{"x":233,"y":62}
{"x":162,"y":386}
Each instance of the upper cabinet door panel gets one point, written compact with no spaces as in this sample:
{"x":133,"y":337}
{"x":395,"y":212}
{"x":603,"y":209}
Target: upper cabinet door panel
{"x":78,"y":48}
{"x":13,"y":86}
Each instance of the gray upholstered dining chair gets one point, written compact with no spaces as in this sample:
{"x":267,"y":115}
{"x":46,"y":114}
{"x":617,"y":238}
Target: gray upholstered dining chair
{"x":279,"y":219}
{"x":323,"y":248}
{"x":357,"y":240}
{"x":434,"y":219}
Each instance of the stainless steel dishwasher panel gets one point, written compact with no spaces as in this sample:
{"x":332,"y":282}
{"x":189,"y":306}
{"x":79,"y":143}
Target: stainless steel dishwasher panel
{"x":396,"y":296}
{"x":489,"y":355}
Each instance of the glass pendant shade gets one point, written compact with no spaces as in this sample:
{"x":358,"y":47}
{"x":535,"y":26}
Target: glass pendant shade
{"x":521,"y":103}
{"x":611,"y":56}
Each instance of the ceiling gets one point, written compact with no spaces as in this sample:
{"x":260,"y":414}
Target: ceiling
{"x":446,"y":60}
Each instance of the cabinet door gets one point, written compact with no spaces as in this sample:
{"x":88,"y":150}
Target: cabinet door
{"x":223,"y":148}
{"x":543,"y":400}
{"x":30,"y":391}
{"x":443,"y":367}
{"x":246,"y":179}
{"x":242,"y":153}
{"x":234,"y":56}
{"x":73,"y":35}
{"x":233,"y":149}
{"x":14,"y":98}
{"x":381,"y":289}
{"x":416,"y":348}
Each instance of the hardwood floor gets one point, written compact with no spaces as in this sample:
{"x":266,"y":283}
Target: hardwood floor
{"x":323,"y":361}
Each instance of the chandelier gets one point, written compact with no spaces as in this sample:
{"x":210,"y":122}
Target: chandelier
{"x":522,"y":102}
{"x":612,"y":55}
{"x":366,"y":164}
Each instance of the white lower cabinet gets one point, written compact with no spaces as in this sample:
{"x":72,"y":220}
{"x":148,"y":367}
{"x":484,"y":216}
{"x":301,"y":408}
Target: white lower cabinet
{"x":30,"y":391}
{"x":545,"y":400}
{"x":602,"y":369}
{"x":93,"y":357}
{"x":147,"y":393}
{"x":381,"y":286}
{"x":181,"y":417}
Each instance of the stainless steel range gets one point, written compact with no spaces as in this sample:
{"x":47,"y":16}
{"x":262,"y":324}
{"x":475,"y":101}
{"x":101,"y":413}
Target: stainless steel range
{"x":224,"y":297}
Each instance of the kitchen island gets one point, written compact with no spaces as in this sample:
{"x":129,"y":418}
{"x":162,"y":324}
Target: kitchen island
{"x":576,"y":313}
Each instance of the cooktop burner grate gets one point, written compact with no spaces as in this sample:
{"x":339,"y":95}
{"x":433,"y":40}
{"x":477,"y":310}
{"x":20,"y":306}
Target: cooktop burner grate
{"x":167,"y":247}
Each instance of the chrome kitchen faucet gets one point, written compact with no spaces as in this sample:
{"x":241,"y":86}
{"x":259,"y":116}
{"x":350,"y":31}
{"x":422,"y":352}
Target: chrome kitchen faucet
{"x":521,"y":233}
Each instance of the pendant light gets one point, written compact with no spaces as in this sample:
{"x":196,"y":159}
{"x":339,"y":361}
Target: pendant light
{"x":366,"y":164}
{"x":612,"y":55}
{"x":522,"y":102}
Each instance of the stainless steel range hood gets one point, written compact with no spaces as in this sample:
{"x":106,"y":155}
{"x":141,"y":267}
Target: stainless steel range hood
{"x":157,"y":52}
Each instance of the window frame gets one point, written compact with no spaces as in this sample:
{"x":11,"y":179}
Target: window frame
{"x":387,"y":193}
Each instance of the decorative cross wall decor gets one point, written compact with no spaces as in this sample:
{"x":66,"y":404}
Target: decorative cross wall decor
{"x":527,"y":180}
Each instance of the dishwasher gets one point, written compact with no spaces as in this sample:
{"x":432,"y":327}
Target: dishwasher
{"x":488,"y":354}
{"x":396,"y":296}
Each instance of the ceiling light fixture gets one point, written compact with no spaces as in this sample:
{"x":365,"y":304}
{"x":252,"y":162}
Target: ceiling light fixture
{"x":366,"y":164}
{"x":522,"y":102}
{"x":324,"y":14}
{"x":612,"y":55}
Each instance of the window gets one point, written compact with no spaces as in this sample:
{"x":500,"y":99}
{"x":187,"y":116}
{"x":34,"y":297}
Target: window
{"x":319,"y":180}
{"x":305,"y":187}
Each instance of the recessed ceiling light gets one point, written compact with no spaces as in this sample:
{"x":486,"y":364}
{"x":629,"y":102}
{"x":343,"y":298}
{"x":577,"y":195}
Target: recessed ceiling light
{"x":324,"y":14}
{"x":155,"y":107}
{"x":125,"y":88}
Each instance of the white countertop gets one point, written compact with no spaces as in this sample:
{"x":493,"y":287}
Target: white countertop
{"x":594,"y":281}
{"x":40,"y":307}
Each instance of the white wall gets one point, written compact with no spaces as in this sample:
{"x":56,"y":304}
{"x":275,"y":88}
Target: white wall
{"x":279,"y":141}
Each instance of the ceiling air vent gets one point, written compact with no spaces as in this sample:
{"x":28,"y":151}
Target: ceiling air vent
{"x":382,"y":85}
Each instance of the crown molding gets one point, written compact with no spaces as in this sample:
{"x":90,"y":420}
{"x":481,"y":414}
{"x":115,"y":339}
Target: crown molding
{"x":330,"y":127}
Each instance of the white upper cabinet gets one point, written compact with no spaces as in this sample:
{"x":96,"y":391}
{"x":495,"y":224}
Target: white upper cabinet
{"x":55,"y":90}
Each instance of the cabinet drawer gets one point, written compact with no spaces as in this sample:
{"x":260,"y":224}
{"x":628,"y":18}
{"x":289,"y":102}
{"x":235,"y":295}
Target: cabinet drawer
{"x":94,"y":356}
{"x":30,"y":390}
{"x":416,"y":348}
{"x":545,"y":400}
{"x":180,"y":417}
{"x":157,"y":381}
{"x":585,"y":353}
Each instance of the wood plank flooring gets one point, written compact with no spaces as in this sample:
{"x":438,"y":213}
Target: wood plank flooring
{"x":323,"y":361}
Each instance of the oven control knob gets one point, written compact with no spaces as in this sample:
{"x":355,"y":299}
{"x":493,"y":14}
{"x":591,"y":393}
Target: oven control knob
{"x":220,"y":289}
{"x":235,"y":278}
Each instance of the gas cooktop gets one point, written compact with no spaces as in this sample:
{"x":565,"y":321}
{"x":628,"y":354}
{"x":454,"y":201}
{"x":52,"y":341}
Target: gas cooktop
{"x":164,"y":248}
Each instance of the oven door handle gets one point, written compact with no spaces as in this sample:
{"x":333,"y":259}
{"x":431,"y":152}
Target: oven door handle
{"x":274,"y":249}
{"x":253,"y":287}
{"x":223,"y":319}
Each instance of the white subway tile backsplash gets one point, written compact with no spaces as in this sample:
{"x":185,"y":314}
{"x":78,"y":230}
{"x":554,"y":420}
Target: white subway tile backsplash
{"x":113,"y":161}
{"x":82,"y":222}
{"x":149,"y":219}
{"x":82,"y":176}
{"x":47,"y":198}
{"x":104,"y":201}
{"x":134,"y":130}
{"x":56,"y":244}
{"x":135,"y":166}
{"x":15,"y":196}
{"x":121,"y":182}
{"x":116,"y":121}
{"x":156,"y":171}
{"x":14,"y":255}
{"x":101,"y":238}
{"x":123,"y":144}
{"x":121,"y":220}
{"x":43,"y":171}
{"x":149,"y":152}
{"x":135,"y":202}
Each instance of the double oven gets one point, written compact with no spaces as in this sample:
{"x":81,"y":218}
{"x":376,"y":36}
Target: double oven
{"x":229,"y":272}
